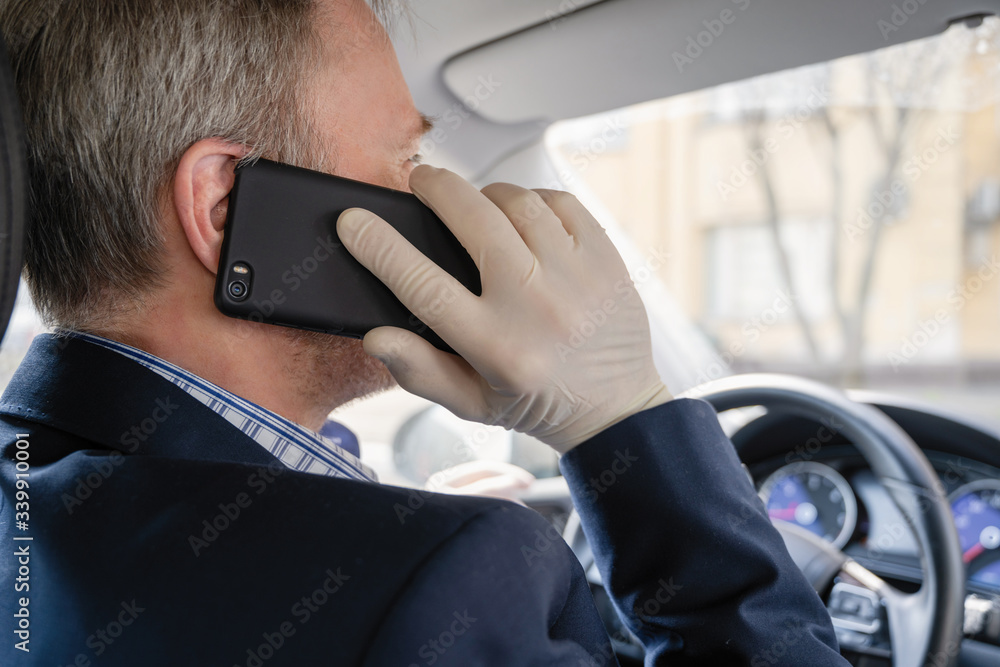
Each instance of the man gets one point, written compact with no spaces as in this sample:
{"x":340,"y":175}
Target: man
{"x":181,"y":508}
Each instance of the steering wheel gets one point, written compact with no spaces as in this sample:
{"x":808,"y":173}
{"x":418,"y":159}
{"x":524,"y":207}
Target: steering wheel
{"x":925,"y":627}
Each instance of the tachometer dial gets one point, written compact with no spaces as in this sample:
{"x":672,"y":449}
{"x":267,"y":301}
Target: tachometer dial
{"x":813,"y":496}
{"x":976,"y":507}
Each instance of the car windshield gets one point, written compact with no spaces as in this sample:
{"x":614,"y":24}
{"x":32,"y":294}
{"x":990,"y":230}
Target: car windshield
{"x":839,"y":221}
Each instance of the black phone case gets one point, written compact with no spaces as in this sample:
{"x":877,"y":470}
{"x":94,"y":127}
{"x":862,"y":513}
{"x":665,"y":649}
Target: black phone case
{"x":281,"y":227}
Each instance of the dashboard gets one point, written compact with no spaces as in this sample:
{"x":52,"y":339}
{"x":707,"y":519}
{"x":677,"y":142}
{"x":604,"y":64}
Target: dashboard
{"x":808,"y":475}
{"x":841,"y":501}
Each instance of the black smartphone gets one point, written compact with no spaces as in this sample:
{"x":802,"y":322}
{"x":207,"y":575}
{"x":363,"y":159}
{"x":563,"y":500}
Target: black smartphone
{"x":283,"y":263}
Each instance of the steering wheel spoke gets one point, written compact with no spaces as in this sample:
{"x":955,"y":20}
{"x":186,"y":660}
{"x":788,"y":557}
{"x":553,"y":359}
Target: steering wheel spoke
{"x":874,"y":618}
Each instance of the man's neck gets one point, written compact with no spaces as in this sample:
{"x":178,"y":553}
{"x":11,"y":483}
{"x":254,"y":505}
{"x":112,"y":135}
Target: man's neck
{"x":299,"y":375}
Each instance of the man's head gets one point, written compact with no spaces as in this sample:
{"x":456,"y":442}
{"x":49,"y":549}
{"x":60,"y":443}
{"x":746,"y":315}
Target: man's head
{"x":113,"y":94}
{"x":137,"y":113}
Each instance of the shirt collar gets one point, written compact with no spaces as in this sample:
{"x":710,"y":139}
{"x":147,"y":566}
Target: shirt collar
{"x":294,"y":445}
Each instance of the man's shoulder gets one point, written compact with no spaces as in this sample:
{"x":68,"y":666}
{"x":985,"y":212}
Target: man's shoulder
{"x":189,"y":541}
{"x":83,"y":480}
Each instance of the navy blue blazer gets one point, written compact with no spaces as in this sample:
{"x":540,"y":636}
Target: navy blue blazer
{"x":191,"y":545}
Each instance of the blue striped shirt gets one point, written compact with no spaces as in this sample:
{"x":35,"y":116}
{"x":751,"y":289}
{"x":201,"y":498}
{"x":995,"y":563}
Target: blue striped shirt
{"x":295,"y":446}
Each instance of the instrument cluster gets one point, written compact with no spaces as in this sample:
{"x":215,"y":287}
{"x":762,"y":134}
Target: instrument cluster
{"x":823,"y":497}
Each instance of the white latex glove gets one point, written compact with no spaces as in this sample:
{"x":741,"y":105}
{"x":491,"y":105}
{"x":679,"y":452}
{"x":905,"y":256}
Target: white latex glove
{"x":558,"y":344}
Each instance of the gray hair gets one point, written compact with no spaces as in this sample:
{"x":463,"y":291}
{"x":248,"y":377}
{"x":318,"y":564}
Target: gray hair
{"x":113,"y":93}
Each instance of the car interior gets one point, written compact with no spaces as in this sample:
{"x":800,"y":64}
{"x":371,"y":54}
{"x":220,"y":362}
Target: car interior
{"x":807,"y":195}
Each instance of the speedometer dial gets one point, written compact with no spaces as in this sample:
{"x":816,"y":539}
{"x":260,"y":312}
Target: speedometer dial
{"x":813,"y":496}
{"x":976,"y":507}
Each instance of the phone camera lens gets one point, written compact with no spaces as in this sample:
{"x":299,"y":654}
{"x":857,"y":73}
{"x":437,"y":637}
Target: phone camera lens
{"x":238,"y":290}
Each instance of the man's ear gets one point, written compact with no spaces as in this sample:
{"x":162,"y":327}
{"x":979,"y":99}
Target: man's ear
{"x":202,"y":183}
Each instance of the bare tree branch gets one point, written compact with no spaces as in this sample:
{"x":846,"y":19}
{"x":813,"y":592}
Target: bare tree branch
{"x":755,"y":139}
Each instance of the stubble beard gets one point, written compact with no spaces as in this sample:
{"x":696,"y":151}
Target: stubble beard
{"x":333,"y":370}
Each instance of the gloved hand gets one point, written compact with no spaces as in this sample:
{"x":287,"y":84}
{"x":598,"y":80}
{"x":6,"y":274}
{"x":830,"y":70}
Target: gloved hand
{"x":557,"y":346}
